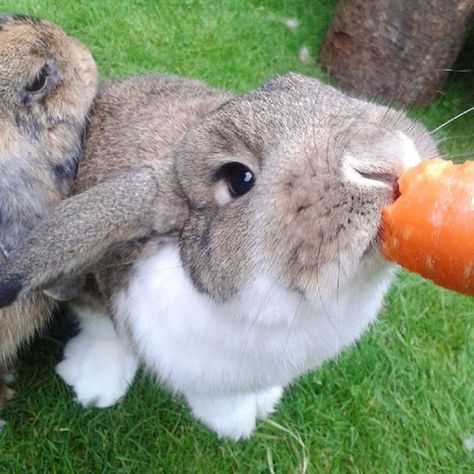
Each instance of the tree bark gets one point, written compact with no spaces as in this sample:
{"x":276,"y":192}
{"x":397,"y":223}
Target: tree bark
{"x":397,"y":49}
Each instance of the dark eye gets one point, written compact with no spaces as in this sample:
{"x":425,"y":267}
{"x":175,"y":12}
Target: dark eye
{"x":39,"y":81}
{"x":239,"y":178}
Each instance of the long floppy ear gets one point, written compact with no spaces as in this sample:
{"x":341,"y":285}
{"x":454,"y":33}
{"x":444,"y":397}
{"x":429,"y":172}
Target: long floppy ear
{"x":79,"y":231}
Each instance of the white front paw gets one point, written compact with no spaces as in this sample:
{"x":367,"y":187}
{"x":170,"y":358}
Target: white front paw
{"x":267,"y":401}
{"x":98,"y":368}
{"x":231,"y":417}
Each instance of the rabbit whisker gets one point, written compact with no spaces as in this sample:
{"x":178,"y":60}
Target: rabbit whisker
{"x":452,"y":120}
{"x":250,"y":329}
{"x":321,"y":297}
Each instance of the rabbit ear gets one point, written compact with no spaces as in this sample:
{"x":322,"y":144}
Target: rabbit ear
{"x":79,"y":231}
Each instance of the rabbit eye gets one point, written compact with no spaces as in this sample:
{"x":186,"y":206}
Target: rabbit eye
{"x":238,"y":177}
{"x":39,"y":82}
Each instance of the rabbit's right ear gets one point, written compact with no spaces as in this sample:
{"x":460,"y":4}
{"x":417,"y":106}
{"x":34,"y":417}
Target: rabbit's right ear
{"x":79,"y":231}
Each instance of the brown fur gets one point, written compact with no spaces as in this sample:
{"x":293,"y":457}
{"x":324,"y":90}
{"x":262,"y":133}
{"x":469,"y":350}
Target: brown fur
{"x":40,"y":144}
{"x":126,"y":163}
{"x":50,"y":132}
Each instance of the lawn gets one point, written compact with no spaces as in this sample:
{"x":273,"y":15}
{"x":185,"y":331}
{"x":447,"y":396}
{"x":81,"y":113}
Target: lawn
{"x":400,"y":401}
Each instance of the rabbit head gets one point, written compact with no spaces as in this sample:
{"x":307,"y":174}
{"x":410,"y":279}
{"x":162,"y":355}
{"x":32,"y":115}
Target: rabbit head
{"x":47,"y":85}
{"x":290,"y":180}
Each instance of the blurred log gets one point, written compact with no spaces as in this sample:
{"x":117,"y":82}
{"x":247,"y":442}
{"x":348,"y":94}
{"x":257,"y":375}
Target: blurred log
{"x":397,"y":49}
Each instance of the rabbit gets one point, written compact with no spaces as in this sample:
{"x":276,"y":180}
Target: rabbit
{"x":47,"y":85}
{"x":233,"y":240}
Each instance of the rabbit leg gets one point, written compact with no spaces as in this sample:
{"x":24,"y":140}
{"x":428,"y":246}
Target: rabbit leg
{"x":97,"y":364}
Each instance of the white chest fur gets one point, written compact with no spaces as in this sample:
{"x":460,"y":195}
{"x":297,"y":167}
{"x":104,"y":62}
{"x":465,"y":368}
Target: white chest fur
{"x":264,"y":337}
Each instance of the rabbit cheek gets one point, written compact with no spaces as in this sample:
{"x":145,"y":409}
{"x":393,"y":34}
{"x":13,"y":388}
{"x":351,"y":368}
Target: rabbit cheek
{"x":28,"y":125}
{"x":319,"y":230}
{"x":213,"y":250}
{"x":21,"y":211}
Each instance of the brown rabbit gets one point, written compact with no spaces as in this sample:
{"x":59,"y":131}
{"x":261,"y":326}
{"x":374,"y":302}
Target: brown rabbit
{"x":47,"y":85}
{"x":234,"y":241}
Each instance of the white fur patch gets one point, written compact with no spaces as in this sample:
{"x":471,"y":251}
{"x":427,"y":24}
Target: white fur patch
{"x":409,"y":152}
{"x":231,"y":417}
{"x":97,"y":364}
{"x":267,"y":401}
{"x":235,"y":416}
{"x":222,"y":193}
{"x":223,"y":356}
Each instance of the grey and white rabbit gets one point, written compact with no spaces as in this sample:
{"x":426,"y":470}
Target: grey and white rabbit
{"x":233,"y":240}
{"x":47,"y":84}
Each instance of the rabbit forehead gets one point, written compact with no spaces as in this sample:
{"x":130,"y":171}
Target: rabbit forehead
{"x":278,"y":109}
{"x":26,"y":44}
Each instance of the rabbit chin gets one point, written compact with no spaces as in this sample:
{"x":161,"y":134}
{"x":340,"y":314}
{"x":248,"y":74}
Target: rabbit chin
{"x":255,"y":343}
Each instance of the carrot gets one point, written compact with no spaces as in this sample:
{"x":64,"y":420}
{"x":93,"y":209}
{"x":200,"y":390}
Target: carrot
{"x":429,"y":229}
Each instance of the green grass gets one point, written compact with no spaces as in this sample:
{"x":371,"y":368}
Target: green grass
{"x":400,"y":401}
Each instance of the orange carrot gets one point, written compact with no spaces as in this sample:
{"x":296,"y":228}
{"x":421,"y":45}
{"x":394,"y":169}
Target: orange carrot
{"x":429,"y":229}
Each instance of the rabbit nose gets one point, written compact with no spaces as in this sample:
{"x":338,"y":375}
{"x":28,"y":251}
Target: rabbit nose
{"x":369,"y":177}
{"x":386,"y":178}
{"x":370,"y":172}
{"x":380,"y":164}
{"x":389,"y":179}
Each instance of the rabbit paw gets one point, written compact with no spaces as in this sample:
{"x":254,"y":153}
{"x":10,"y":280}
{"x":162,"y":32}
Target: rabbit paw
{"x":267,"y":401}
{"x":234,"y":417}
{"x":97,"y":365}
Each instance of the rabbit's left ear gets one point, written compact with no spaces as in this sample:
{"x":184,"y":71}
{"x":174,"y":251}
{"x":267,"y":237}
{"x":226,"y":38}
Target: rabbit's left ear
{"x":79,"y":231}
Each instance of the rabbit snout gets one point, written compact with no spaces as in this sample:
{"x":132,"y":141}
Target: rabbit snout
{"x":327,"y":205}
